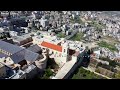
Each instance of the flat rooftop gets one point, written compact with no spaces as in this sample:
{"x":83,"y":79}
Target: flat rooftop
{"x":29,"y":68}
{"x":34,"y":48}
{"x":22,"y":37}
{"x":16,"y":38}
{"x":49,"y":38}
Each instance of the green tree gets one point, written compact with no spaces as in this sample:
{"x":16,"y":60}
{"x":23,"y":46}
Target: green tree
{"x":47,"y":74}
{"x":117,"y":75}
{"x":112,"y":63}
{"x":85,"y":74}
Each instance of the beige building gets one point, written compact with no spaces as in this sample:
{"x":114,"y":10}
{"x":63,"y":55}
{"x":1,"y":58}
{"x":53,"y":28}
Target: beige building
{"x":60,"y":49}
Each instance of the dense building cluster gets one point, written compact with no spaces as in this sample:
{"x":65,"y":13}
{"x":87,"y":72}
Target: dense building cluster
{"x":29,"y":39}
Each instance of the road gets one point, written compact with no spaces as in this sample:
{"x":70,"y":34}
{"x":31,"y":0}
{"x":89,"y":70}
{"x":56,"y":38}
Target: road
{"x":65,"y":69}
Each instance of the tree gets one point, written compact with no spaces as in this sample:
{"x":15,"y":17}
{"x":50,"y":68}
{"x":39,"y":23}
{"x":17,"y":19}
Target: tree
{"x":47,"y":74}
{"x":112,"y":63}
{"x":52,"y":64}
{"x":117,"y":75}
{"x":85,"y":74}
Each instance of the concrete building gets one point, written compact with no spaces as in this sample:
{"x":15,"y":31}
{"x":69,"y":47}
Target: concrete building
{"x":41,"y":63}
{"x":18,"y":75}
{"x":59,"y":49}
{"x":13,"y":33}
{"x":2,"y":70}
{"x":1,"y":29}
{"x":15,"y":54}
{"x":35,"y":48}
{"x":23,"y":40}
{"x":30,"y":70}
{"x":44,"y":22}
{"x":29,"y":61}
{"x":11,"y":54}
{"x":54,"y":44}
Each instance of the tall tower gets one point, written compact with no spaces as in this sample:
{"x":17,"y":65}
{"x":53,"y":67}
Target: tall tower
{"x":65,"y":52}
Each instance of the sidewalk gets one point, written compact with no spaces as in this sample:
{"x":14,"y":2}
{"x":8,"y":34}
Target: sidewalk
{"x":65,"y":69}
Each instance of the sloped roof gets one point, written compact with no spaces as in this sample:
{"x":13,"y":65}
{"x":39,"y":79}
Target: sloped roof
{"x":31,"y":56}
{"x":19,"y":56}
{"x":9,"y":47}
{"x":52,"y":46}
{"x":18,"y":53}
{"x":24,"y":55}
{"x":34,"y":48}
{"x":3,"y":55}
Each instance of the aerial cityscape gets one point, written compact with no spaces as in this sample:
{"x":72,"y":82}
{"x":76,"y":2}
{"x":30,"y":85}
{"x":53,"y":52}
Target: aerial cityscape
{"x":59,"y":44}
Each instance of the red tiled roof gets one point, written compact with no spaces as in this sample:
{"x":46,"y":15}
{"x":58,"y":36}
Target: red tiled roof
{"x":52,"y":46}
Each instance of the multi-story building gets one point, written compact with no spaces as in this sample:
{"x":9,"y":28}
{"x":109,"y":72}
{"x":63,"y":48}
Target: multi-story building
{"x":57,"y":47}
{"x":2,"y":70}
{"x":23,"y":40}
{"x":60,"y":49}
{"x":18,"y":57}
{"x":44,"y":22}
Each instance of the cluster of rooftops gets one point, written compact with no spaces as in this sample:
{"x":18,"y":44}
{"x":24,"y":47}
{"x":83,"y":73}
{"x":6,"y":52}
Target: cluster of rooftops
{"x":16,"y":53}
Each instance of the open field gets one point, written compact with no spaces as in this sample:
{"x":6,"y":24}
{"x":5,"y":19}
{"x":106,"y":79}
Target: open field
{"x":85,"y":74}
{"x":61,"y":35}
{"x":104,"y":44}
{"x":110,"y":40}
{"x":77,"y":37}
